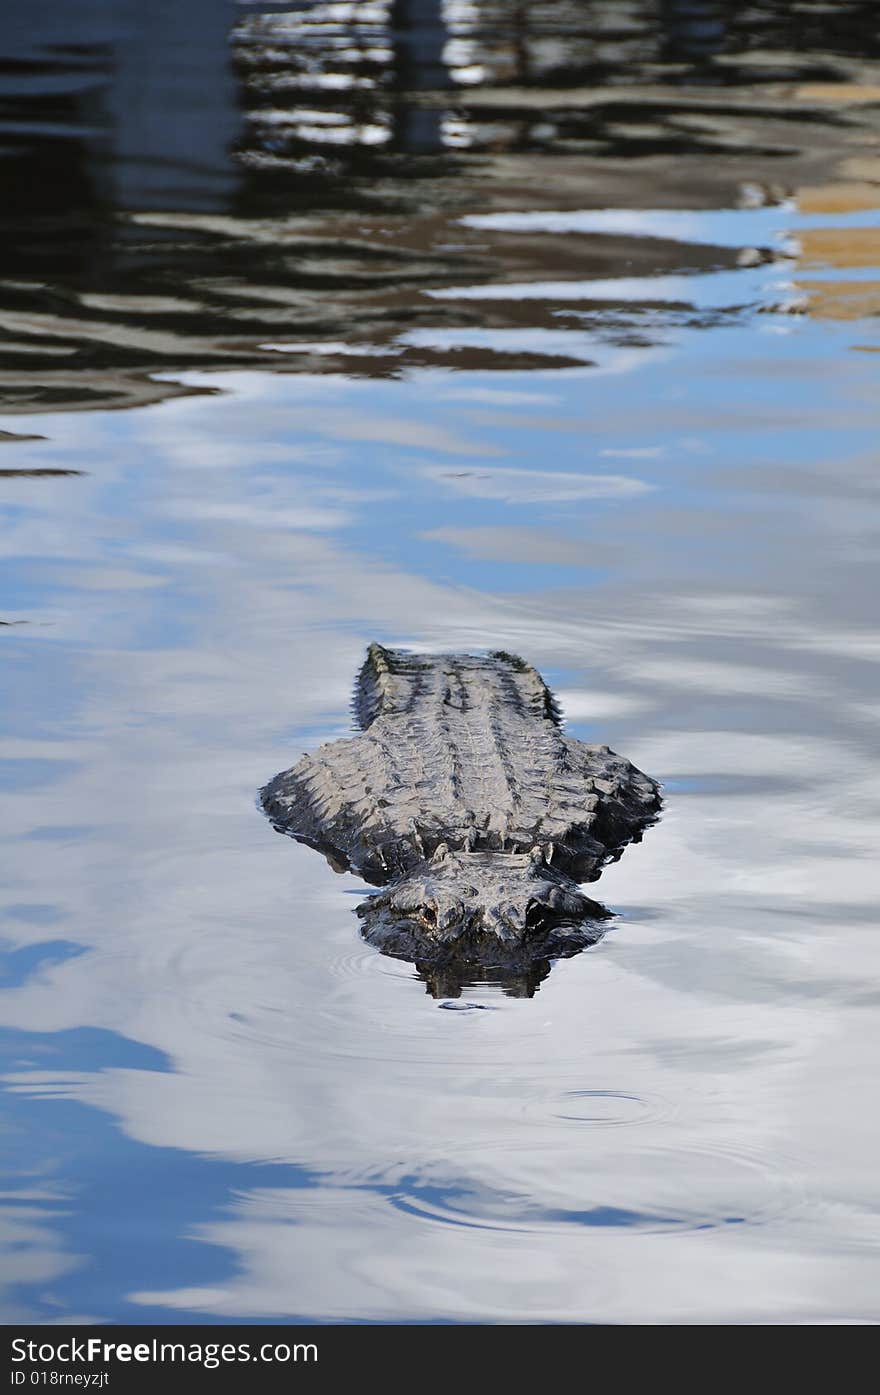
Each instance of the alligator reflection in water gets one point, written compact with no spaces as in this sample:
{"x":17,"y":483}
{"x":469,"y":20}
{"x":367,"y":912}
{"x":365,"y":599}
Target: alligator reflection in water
{"x":464,"y":800}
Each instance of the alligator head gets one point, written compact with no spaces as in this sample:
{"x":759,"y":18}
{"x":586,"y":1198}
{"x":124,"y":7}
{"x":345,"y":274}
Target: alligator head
{"x":475,"y":915}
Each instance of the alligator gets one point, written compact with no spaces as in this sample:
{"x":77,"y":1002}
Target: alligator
{"x":465,"y":801}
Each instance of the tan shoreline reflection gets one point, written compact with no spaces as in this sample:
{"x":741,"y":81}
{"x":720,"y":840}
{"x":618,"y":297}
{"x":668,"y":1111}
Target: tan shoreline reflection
{"x":830,"y":298}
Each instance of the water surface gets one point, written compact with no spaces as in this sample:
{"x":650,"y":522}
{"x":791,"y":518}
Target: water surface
{"x":450,"y":329}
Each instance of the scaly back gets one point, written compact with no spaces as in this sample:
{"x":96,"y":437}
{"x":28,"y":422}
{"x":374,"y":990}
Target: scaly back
{"x":393,"y":681}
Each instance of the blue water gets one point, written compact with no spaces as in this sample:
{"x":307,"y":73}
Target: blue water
{"x":657,"y":483}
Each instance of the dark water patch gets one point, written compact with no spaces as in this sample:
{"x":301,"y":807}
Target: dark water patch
{"x":37,"y":473}
{"x":455,"y":1006}
{"x":344,"y":196}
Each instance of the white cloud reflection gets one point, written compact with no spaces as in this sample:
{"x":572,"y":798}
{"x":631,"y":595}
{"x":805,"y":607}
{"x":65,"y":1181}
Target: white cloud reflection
{"x":514,"y":486}
{"x":661,"y":1134}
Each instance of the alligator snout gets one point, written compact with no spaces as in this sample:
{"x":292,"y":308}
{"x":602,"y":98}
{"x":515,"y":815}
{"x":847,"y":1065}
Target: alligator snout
{"x":499,"y":910}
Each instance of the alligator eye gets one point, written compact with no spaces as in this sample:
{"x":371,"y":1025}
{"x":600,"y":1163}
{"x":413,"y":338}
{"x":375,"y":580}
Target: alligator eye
{"x":535,"y":915}
{"x":429,"y":915}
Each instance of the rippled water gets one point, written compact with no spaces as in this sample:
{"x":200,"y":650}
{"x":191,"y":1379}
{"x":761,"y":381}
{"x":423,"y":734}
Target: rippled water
{"x":556,"y":334}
